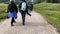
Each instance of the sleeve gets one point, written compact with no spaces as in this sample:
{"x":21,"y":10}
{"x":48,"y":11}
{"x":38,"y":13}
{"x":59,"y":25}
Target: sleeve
{"x":16,"y":8}
{"x":19,"y":6}
{"x":27,"y":6}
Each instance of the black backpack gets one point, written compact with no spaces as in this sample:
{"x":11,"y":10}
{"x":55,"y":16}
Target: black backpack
{"x":11,"y":7}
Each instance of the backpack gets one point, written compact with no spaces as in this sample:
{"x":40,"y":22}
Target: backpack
{"x":11,"y":7}
{"x":23,"y":6}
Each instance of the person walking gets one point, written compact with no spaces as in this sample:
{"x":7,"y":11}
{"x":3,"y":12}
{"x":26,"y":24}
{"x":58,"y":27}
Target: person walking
{"x":23,"y":8}
{"x":12,"y":11}
{"x":30,"y":6}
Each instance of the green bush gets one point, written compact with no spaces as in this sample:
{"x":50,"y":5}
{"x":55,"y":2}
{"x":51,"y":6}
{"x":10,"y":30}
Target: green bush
{"x":3,"y":12}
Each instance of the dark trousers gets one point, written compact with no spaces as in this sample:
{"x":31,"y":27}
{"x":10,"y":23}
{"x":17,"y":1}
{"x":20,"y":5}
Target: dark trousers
{"x":23,"y":14}
{"x":12,"y":21}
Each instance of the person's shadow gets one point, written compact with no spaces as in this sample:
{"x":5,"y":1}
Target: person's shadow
{"x":31,"y":24}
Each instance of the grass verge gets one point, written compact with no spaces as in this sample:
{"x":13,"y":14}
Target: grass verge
{"x":51,"y":12}
{"x":3,"y":11}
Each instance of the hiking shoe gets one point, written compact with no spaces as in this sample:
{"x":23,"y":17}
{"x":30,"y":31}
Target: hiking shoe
{"x":12,"y":25}
{"x":14,"y":21}
{"x":29,"y":14}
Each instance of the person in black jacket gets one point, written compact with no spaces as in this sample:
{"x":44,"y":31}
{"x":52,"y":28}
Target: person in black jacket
{"x":31,"y":7}
{"x":12,"y":11}
{"x":23,"y":12}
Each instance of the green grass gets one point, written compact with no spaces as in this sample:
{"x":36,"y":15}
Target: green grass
{"x":3,"y":11}
{"x":51,"y":12}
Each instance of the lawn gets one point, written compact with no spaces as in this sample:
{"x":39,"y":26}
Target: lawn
{"x":3,"y":11}
{"x":51,"y":12}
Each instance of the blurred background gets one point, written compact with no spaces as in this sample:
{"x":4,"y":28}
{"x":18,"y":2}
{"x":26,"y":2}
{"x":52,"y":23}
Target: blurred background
{"x":34,"y":1}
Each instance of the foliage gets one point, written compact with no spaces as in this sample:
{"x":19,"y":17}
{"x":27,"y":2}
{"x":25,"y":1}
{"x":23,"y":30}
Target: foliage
{"x":53,"y":1}
{"x":51,"y":12}
{"x":3,"y":11}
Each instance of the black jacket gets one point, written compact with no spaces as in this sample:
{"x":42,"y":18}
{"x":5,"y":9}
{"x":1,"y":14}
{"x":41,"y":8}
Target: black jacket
{"x":31,"y":6}
{"x":12,"y":6}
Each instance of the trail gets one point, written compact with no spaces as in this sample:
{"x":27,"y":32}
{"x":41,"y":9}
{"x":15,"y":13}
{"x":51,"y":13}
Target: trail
{"x":36,"y":24}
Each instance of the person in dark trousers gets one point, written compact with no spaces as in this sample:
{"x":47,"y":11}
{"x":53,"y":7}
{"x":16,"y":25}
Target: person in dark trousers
{"x":23,"y":12}
{"x":12,"y":11}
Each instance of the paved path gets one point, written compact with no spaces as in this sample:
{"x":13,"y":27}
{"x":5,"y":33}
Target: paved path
{"x":35,"y":24}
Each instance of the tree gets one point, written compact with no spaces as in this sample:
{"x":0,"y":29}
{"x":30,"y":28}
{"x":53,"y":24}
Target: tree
{"x":59,"y":1}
